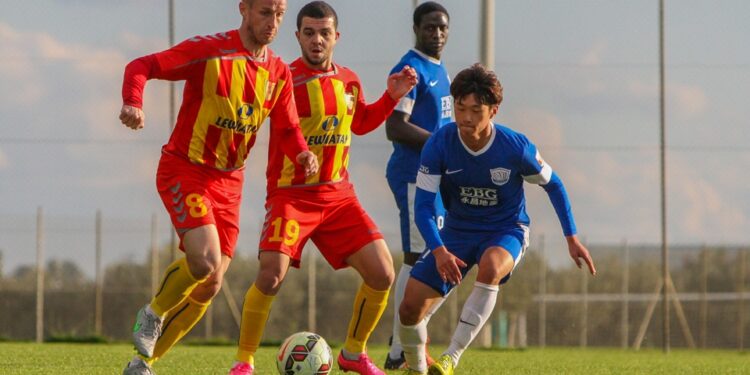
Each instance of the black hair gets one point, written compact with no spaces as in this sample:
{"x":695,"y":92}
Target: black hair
{"x":428,"y":7}
{"x":317,"y":10}
{"x":481,"y":82}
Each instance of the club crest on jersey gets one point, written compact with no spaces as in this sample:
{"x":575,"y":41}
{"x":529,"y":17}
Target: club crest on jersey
{"x":500,"y":176}
{"x":244,"y":111}
{"x":330,"y":123}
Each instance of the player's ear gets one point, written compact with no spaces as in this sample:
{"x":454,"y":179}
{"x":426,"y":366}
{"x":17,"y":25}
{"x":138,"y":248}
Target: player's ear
{"x":338,"y":35}
{"x":296,"y":34}
{"x":493,"y":110}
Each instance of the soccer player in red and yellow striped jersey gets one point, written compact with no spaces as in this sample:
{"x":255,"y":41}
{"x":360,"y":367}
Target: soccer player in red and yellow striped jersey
{"x":233,"y":82}
{"x":323,"y":207}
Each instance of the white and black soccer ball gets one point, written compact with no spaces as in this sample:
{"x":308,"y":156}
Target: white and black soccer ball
{"x":304,"y":353}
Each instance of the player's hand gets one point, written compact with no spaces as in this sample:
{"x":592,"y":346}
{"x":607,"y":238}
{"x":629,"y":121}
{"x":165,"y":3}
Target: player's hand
{"x":399,"y":84}
{"x":578,"y":251}
{"x":132,"y":117}
{"x":448,"y":265}
{"x":309,"y":161}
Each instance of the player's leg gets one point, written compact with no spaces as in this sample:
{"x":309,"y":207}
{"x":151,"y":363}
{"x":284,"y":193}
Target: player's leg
{"x":180,"y":278}
{"x":181,"y":320}
{"x":375,"y":265}
{"x":412,"y":245}
{"x":419,"y":300}
{"x":495,"y":265}
{"x":225,"y":199}
{"x":286,"y":229}
{"x":363,"y":249}
{"x":258,"y":299}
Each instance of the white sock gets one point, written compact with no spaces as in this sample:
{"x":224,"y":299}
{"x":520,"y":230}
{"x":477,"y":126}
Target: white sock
{"x":477,"y":309}
{"x":434,"y":308}
{"x":413,"y":339}
{"x":398,"y":296}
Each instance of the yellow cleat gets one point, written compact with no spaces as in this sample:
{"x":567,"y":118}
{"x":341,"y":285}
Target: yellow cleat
{"x":443,"y":366}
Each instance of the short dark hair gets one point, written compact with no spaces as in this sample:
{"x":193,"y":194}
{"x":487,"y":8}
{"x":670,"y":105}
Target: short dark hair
{"x":428,"y":7}
{"x":481,"y":82}
{"x":318,"y":10}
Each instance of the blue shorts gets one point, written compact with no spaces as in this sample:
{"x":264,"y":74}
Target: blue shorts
{"x":469,"y":247}
{"x":404,"y":192}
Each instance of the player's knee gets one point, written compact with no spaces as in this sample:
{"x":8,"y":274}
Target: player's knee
{"x":381,"y":279}
{"x":206,"y":290}
{"x":408,"y":313}
{"x":269,"y":282}
{"x":205,"y":266}
{"x":491,"y":276}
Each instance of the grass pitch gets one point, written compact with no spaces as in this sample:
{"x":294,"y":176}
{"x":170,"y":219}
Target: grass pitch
{"x":27,"y":358}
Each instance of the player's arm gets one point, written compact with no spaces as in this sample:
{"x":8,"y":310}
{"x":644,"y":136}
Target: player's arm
{"x":400,"y":129}
{"x":368,"y":117}
{"x":285,"y":128}
{"x":172,"y":64}
{"x":553,"y":185}
{"x":428,"y":182}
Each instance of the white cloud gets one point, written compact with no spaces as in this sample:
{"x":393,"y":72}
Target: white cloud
{"x":686,"y":101}
{"x":594,"y":55}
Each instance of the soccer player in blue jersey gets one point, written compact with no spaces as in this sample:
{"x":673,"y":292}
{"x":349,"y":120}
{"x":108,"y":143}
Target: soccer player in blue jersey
{"x":479,"y":168}
{"x":423,"y":110}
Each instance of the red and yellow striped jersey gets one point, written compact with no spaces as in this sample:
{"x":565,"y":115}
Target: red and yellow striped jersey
{"x":331,"y":106}
{"x":228,"y":95}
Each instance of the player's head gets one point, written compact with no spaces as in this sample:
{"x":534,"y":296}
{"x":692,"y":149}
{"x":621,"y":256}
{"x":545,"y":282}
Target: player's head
{"x":317,"y":33}
{"x":431,"y":26}
{"x":261,"y":19}
{"x":477,"y":94}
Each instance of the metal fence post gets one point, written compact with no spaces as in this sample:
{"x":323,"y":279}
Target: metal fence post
{"x":39,"y":275}
{"x":98,"y":276}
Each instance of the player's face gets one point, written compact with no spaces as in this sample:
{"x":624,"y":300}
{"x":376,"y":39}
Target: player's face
{"x":317,"y":37}
{"x":432,"y":33}
{"x":472,"y":117}
{"x":262,"y":18}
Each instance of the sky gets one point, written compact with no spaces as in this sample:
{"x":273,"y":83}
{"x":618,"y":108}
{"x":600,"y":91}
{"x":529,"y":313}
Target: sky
{"x":580,"y":79}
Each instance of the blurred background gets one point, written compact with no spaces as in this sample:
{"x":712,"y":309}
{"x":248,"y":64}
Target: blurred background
{"x":581,"y":79}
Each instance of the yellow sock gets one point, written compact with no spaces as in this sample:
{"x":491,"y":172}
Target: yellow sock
{"x":254,"y":316}
{"x":369,"y":305}
{"x":176,"y":285}
{"x":178,"y":322}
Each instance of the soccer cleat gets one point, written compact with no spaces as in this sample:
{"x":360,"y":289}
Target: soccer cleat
{"x":395,"y":363}
{"x":443,"y":366}
{"x":137,"y":367}
{"x":363,"y":365}
{"x":241,"y":368}
{"x":146,"y":331}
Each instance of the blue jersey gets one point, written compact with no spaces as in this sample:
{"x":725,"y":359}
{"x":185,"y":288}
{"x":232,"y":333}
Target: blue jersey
{"x":483,"y":190}
{"x":428,"y":105}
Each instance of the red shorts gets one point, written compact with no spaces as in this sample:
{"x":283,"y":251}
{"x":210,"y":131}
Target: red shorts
{"x":195,"y":195}
{"x":334,"y":221}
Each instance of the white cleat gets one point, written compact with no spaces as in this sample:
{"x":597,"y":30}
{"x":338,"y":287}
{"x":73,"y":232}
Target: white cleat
{"x":146,"y":331}
{"x":137,"y":367}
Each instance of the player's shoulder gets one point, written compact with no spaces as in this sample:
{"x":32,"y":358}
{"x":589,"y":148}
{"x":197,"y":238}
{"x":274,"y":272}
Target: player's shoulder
{"x":411,"y":59}
{"x":446,"y":133}
{"x":217,"y":40}
{"x":346,"y":73}
{"x":510,"y":136}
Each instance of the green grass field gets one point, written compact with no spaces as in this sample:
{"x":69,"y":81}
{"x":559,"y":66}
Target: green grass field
{"x":26,"y":358}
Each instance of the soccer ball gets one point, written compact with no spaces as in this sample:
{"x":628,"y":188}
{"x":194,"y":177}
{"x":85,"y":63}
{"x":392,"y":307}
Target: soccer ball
{"x":304,"y":353}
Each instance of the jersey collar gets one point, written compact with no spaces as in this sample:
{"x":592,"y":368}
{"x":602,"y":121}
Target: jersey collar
{"x":426,"y":57}
{"x":483,"y":149}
